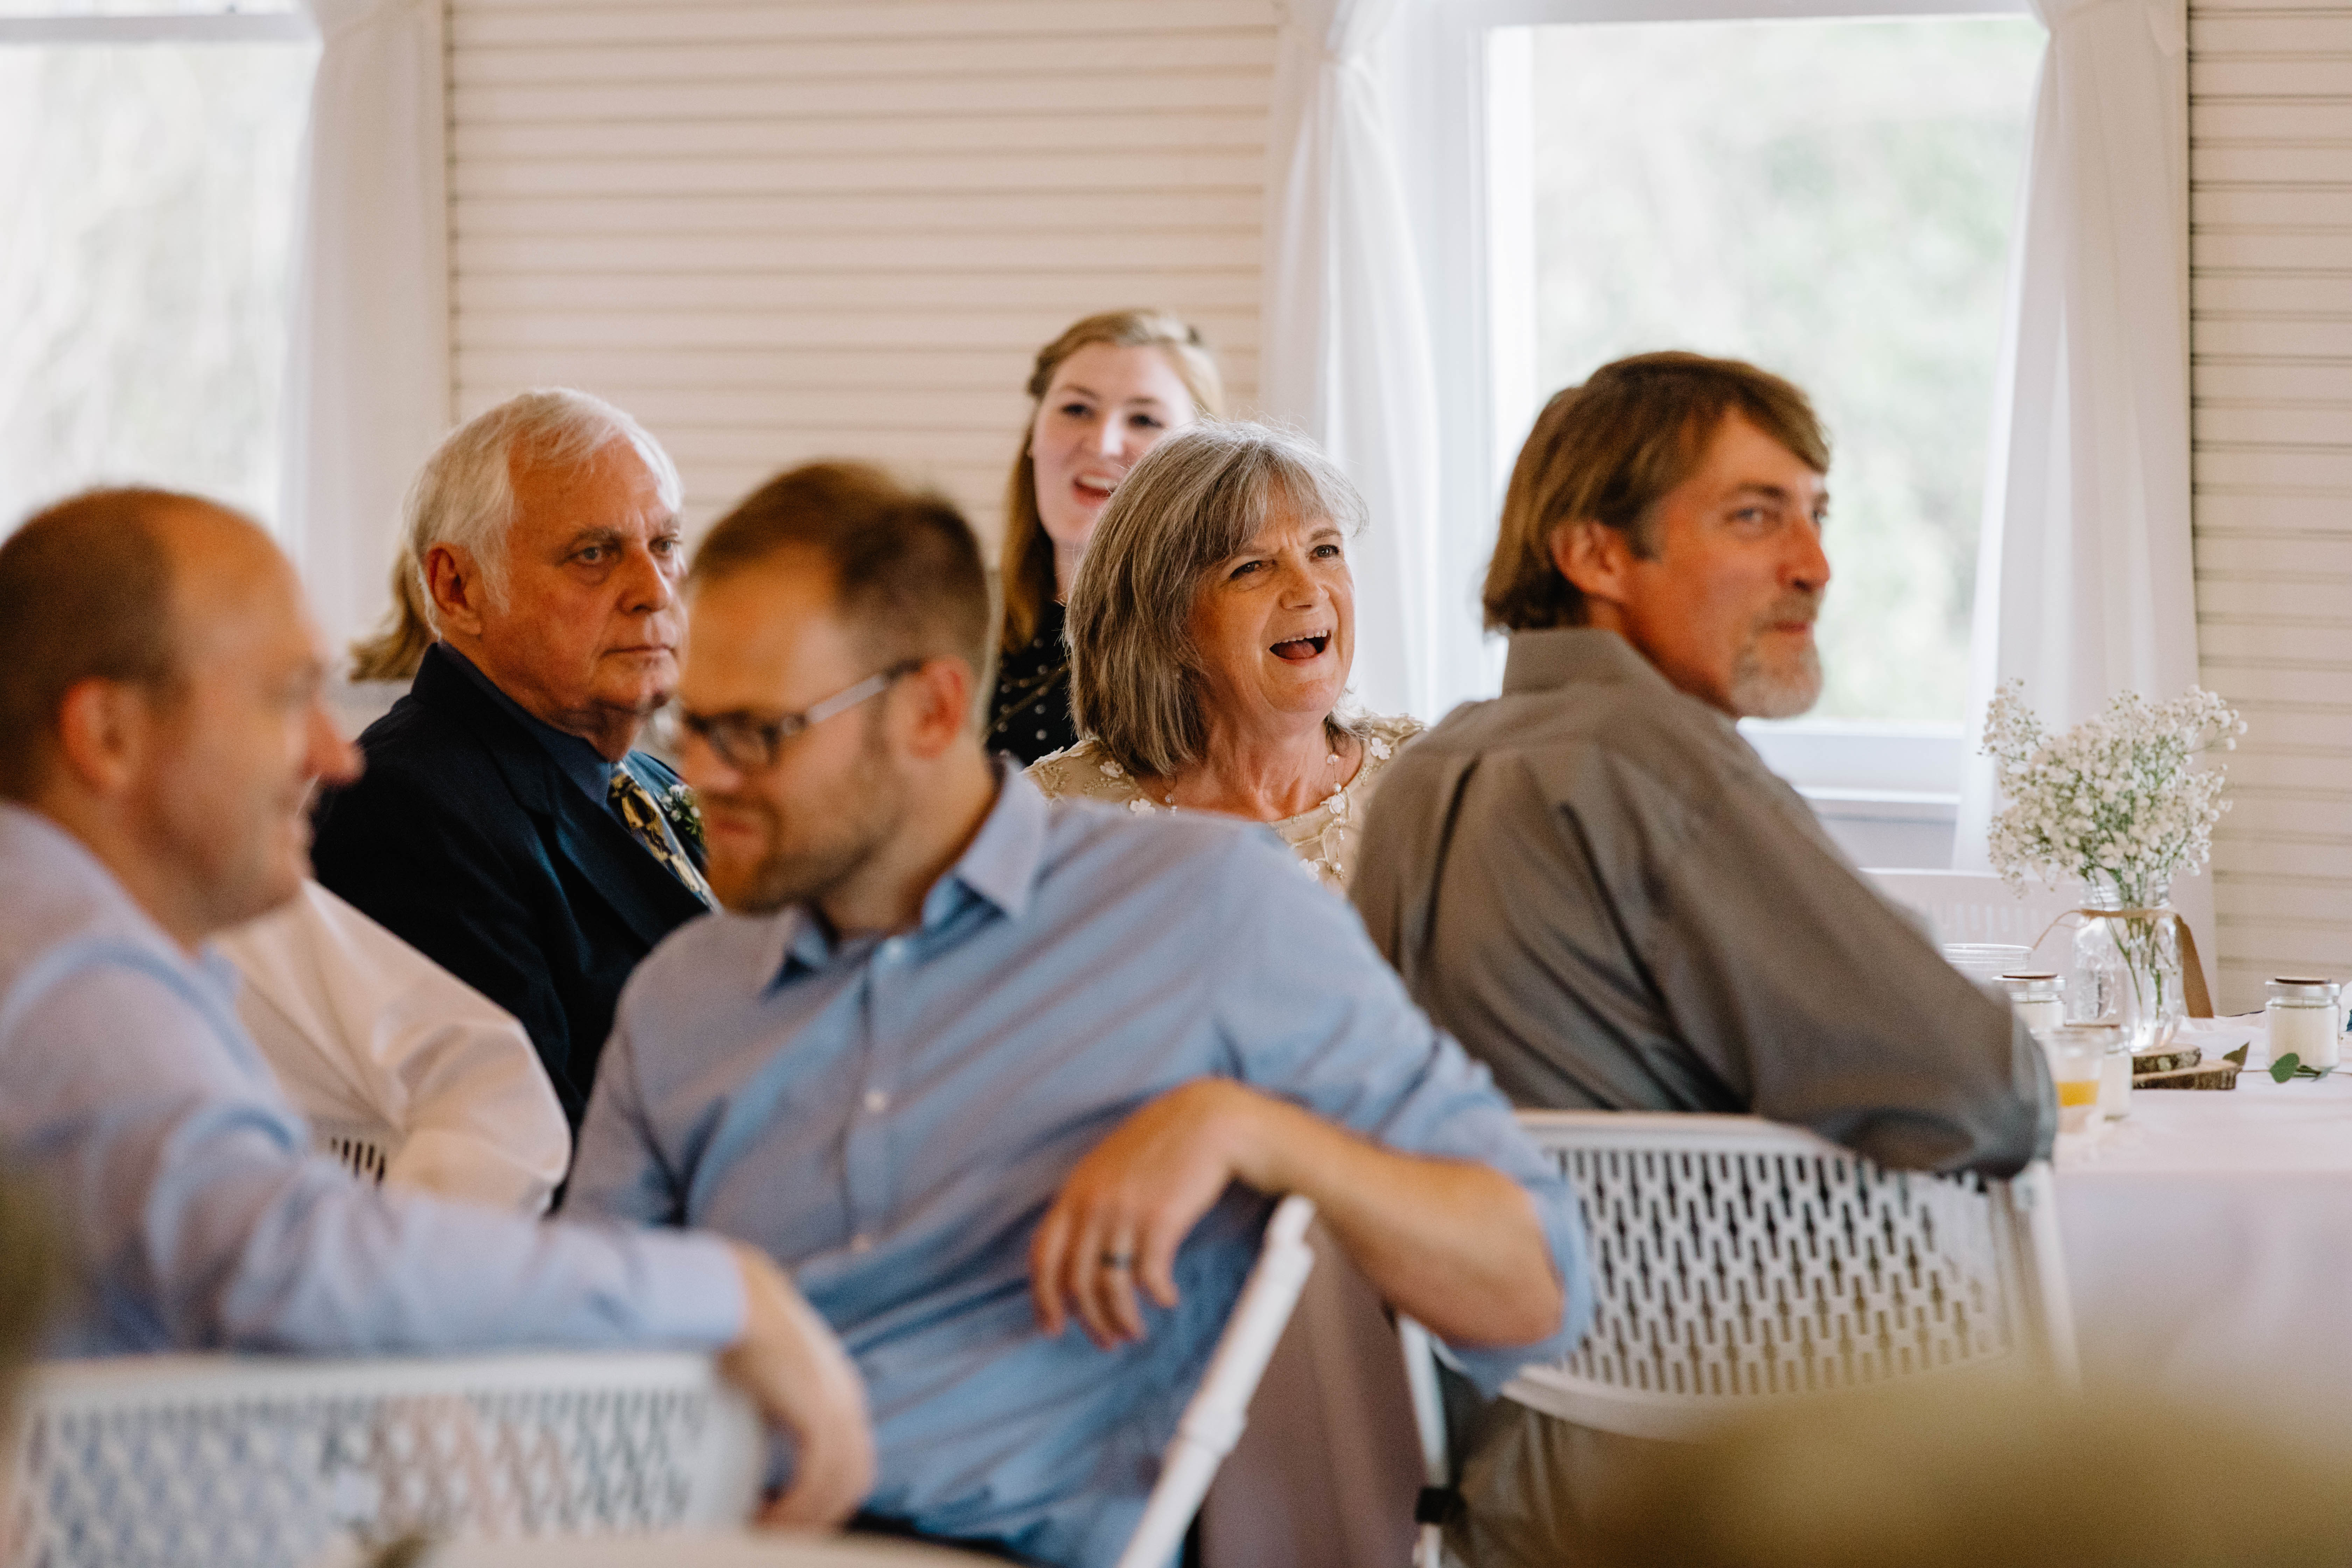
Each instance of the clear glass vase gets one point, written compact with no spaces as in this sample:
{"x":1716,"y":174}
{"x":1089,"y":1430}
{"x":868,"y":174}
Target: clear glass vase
{"x":2126,"y":965}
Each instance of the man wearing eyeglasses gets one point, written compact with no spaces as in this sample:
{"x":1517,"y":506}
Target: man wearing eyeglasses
{"x":506,"y":825}
{"x":1009,"y":1086}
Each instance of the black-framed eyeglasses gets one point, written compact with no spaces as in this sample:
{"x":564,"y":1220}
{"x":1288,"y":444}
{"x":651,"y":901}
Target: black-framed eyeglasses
{"x":748,"y":742}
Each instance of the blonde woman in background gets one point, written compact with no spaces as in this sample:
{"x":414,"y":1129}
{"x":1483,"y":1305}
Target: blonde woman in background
{"x":1105,"y":391}
{"x":1211,"y":636}
{"x":398,"y":647}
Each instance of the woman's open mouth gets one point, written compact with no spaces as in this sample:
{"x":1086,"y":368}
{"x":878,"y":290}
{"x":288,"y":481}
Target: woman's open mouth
{"x":1303,"y":650}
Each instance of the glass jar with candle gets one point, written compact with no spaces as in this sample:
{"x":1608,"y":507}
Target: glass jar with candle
{"x":2037,"y":998}
{"x":2302,"y":1016}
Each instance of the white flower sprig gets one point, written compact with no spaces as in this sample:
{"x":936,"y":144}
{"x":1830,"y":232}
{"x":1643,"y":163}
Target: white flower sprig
{"x":2116,"y":800}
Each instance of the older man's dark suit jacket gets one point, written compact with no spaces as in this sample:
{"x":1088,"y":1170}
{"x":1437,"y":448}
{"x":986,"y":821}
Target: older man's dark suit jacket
{"x":466,"y":838}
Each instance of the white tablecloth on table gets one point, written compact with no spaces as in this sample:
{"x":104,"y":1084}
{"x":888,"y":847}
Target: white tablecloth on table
{"x":2209,"y":1236}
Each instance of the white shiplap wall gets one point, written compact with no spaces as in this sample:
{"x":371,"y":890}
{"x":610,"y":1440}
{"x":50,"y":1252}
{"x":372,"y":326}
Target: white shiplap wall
{"x":776,"y":229}
{"x":2271,"y":211}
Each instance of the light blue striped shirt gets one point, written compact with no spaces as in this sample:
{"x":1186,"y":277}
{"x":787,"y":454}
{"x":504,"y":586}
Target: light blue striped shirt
{"x":890,"y":1119}
{"x":131,"y":1094}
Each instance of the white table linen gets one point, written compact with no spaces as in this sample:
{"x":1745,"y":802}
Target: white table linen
{"x":2209,"y":1236}
{"x":365,"y":1032}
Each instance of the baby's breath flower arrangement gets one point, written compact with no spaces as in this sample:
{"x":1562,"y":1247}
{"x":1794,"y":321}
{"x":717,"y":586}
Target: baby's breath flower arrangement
{"x":2118,"y":803}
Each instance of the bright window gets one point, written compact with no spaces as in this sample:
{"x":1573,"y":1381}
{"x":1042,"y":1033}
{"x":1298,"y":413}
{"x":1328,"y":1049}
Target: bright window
{"x":148,"y":168}
{"x":1834,"y":200}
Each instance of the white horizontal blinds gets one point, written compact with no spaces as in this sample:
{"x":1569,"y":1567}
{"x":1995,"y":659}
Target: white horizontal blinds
{"x":2271,"y":210}
{"x":777,"y":230}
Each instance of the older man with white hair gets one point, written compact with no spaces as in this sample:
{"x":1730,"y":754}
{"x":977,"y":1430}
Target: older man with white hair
{"x":505,"y":826}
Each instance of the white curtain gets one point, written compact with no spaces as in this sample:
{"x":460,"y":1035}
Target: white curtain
{"x":2084,"y":586}
{"x":367,"y":387}
{"x":1344,"y":340}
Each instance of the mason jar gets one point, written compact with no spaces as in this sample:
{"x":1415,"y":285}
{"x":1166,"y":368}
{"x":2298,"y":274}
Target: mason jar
{"x":2127,"y":967}
{"x":2037,"y":998}
{"x":2301,"y":1013}
{"x":2115,"y":1075}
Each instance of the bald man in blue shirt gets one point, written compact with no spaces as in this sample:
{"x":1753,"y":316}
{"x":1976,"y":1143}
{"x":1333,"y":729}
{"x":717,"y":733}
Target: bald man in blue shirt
{"x":1012,"y":1086}
{"x":165,"y":722}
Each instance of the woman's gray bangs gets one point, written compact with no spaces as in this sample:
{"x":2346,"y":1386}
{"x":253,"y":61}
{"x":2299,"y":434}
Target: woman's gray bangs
{"x":1312,"y":483}
{"x":1261,"y":465}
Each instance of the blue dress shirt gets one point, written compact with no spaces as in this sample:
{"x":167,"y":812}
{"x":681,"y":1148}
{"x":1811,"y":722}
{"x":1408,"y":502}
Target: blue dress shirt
{"x":131,"y":1094}
{"x":891,"y":1120}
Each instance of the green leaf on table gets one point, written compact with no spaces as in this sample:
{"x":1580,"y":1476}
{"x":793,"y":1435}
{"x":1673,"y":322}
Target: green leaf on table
{"x":2283,"y":1068}
{"x":2238,"y":1056}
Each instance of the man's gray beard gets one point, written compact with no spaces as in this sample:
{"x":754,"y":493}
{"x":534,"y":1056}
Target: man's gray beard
{"x":1760,"y":693}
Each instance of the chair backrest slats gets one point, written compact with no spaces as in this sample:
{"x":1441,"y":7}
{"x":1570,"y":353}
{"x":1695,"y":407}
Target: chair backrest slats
{"x":1979,"y":907}
{"x":269,"y":1462}
{"x":1736,"y":1260}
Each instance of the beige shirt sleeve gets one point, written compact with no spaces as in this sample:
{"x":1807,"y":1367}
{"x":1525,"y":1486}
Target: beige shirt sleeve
{"x":367,"y":1034}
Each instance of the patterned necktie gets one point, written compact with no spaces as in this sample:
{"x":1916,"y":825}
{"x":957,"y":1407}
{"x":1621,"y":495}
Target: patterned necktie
{"x":641,"y":813}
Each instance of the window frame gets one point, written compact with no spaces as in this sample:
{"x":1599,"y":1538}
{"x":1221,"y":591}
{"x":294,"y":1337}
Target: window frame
{"x":1451,"y":109}
{"x":293,"y":28}
{"x":296,"y":27}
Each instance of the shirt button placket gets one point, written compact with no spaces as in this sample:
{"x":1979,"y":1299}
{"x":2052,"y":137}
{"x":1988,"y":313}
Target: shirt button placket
{"x":868,"y":1165}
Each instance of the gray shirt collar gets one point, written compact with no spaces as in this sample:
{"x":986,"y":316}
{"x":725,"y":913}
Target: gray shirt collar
{"x":1586,"y":656}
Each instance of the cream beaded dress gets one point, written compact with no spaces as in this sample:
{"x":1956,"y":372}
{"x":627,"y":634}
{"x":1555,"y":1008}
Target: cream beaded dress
{"x":1324,"y":839}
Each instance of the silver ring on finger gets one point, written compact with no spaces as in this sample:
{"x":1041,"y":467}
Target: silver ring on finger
{"x":1117,"y":1262}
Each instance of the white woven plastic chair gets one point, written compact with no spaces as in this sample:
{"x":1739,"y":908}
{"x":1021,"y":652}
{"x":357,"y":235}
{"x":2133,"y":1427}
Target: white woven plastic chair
{"x":1736,"y":1260}
{"x":764,"y":1549}
{"x":206,"y":1461}
{"x":1979,"y":907}
{"x":1212,"y":1422}
{"x":210,"y":1461}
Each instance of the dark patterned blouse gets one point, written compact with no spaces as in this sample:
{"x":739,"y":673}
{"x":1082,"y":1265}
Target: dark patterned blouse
{"x":1030,"y":714}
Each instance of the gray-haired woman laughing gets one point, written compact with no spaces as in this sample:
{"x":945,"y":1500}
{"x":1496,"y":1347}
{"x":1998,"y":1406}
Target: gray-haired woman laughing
{"x":1210,"y":630}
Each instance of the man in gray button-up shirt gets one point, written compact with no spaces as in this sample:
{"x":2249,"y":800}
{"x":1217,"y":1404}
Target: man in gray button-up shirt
{"x":1592,"y":882}
{"x":1595,"y":884}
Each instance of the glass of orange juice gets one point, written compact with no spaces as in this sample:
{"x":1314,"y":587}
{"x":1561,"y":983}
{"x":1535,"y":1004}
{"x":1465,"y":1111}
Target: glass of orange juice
{"x":2077,"y":1053}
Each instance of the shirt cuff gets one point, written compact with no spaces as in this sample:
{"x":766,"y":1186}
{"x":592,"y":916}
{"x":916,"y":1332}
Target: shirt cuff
{"x":694,"y":1290}
{"x":1563,"y":1224}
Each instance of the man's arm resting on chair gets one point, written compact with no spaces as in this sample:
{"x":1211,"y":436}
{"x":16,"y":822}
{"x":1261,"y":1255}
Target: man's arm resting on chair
{"x":1456,"y":1243}
{"x":789,"y":1364}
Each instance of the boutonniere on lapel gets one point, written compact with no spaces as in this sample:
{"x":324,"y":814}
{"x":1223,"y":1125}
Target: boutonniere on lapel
{"x":677,"y":804}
